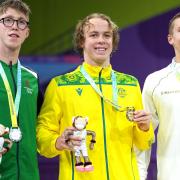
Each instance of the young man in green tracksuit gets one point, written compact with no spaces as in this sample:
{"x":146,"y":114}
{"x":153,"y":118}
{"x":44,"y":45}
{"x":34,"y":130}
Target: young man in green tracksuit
{"x":18,"y":95}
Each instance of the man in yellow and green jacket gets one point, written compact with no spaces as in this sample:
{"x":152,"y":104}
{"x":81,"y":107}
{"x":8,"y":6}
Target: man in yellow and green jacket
{"x":96,"y":91}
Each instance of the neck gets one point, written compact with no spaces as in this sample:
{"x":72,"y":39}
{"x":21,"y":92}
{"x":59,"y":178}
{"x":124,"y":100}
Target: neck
{"x":177,"y":59}
{"x":7,"y":55}
{"x":99,"y":64}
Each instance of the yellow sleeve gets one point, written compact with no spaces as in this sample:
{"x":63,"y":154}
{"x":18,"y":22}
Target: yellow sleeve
{"x":143,"y":139}
{"x":48,"y":123}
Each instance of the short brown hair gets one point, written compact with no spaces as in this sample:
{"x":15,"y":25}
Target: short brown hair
{"x":171,"y":22}
{"x":79,"y":31}
{"x":18,"y":5}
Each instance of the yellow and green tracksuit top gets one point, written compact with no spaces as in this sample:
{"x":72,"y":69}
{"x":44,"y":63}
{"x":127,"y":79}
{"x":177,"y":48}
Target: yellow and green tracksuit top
{"x":70,"y":95}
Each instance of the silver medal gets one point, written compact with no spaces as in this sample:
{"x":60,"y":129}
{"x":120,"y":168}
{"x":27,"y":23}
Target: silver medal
{"x":130,"y":113}
{"x":15,"y":134}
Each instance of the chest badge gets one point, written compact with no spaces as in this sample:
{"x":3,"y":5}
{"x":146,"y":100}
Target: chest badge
{"x":79,"y":91}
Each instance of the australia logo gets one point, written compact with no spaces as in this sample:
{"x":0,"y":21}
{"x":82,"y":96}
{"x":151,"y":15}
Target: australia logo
{"x":122,"y":92}
{"x":79,"y":91}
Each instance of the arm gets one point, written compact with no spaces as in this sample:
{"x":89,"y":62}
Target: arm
{"x":48,"y":124}
{"x":143,"y":131}
{"x":143,"y":157}
{"x":144,"y":137}
{"x":5,"y":144}
{"x":49,"y":140}
{"x":93,"y":140}
{"x":148,"y":102}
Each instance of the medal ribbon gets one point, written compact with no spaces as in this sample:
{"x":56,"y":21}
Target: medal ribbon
{"x":114,"y":101}
{"x":14,"y":108}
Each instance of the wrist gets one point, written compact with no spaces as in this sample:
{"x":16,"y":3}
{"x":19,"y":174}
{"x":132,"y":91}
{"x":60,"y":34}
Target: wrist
{"x":58,"y":144}
{"x":93,"y":141}
{"x":143,"y":128}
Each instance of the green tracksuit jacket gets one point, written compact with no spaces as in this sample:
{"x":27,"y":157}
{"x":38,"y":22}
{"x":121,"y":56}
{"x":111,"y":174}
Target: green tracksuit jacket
{"x":20,"y":163}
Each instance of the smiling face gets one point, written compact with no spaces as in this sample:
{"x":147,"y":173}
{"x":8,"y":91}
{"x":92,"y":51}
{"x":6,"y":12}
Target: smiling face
{"x":98,"y":42}
{"x":11,"y":38}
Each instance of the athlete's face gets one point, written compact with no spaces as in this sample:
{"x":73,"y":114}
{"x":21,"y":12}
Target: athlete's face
{"x":174,"y":37}
{"x":97,"y":45}
{"x":11,"y":37}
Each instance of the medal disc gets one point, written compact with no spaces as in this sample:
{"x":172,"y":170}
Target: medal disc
{"x":15,"y":134}
{"x":130,"y":113}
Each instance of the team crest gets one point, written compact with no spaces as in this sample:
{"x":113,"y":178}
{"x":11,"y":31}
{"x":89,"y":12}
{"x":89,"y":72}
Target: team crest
{"x":27,"y":87}
{"x":122,"y":92}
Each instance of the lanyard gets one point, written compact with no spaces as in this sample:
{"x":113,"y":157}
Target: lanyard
{"x":114,"y":101}
{"x":14,"y":108}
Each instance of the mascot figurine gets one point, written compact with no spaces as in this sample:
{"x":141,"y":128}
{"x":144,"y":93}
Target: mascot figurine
{"x":79,"y":123}
{"x":3,"y":140}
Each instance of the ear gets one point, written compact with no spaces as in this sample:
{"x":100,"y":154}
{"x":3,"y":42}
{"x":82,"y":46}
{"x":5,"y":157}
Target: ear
{"x":170,"y":39}
{"x":82,"y":44}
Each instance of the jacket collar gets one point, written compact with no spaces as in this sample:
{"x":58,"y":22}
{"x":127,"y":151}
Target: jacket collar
{"x":95,"y":70}
{"x":5,"y":65}
{"x":174,"y":64}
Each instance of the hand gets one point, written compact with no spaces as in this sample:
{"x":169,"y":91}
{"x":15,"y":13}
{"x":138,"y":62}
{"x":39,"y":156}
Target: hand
{"x":5,"y":149}
{"x":67,"y":140}
{"x":142,"y":119}
{"x":91,"y":146}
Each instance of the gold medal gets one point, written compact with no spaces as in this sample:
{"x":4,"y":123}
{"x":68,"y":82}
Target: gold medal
{"x":130,"y":113}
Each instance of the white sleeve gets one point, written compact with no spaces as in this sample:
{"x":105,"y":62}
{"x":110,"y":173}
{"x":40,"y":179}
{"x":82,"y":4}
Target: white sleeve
{"x":148,"y":101}
{"x":143,"y":157}
{"x":143,"y":162}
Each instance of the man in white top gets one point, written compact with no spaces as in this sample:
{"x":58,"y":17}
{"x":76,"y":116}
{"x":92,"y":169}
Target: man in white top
{"x":161,"y":96}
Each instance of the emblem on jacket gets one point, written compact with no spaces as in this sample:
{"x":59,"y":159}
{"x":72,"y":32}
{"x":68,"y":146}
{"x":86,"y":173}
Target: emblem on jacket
{"x":27,"y":87}
{"x":170,"y":92}
{"x":122,"y":92}
{"x":79,"y":91}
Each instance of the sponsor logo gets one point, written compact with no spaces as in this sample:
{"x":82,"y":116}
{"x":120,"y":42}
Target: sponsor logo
{"x":170,"y":92}
{"x":79,"y":91}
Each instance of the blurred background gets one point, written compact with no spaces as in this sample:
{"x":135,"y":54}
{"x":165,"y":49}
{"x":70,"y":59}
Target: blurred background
{"x":143,"y":44}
